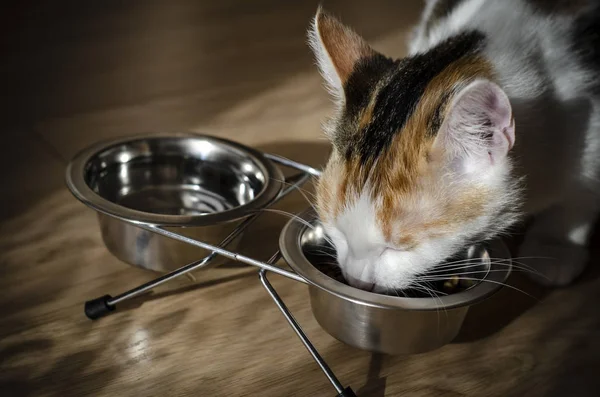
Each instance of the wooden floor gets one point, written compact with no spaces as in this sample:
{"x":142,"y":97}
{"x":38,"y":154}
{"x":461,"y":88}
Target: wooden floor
{"x":78,"y":72}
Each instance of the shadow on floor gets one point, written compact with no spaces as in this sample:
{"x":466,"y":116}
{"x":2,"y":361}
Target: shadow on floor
{"x":495,"y":313}
{"x":375,"y":384}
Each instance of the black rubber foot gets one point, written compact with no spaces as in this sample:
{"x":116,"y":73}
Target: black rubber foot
{"x":347,"y":393}
{"x":98,"y":307}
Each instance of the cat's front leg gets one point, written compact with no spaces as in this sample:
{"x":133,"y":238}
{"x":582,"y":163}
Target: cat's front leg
{"x":556,"y":246}
{"x":553,"y":262}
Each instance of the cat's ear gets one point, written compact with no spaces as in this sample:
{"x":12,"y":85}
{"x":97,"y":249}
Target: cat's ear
{"x":337,"y":49}
{"x":479,"y":127}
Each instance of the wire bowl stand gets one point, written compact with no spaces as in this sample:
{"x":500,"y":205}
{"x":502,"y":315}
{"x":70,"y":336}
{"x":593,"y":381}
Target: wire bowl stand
{"x":106,"y":304}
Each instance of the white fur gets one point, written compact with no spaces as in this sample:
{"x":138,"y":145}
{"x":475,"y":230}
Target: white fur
{"x":325,"y":64}
{"x":477,"y":103}
{"x":557,"y":148}
{"x":464,"y":13}
{"x":557,"y":122}
{"x":358,"y":240}
{"x":333,"y":83}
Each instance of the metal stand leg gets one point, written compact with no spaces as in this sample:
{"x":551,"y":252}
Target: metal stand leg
{"x":103,"y":305}
{"x":347,"y":392}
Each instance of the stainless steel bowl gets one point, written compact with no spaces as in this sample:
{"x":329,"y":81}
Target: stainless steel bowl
{"x":196,"y":185}
{"x":385,"y":323}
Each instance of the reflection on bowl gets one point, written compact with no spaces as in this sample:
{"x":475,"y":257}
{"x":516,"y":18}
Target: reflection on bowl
{"x":197,"y":184}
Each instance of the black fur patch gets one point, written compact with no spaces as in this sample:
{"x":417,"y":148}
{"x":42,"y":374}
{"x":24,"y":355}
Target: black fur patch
{"x":564,"y":7}
{"x":586,"y":40}
{"x":358,"y":91}
{"x":398,"y":98}
{"x":438,"y":116}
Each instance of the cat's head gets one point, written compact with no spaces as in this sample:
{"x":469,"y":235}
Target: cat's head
{"x":419,"y":166}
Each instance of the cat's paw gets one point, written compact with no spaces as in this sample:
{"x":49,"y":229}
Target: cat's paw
{"x":553,"y":263}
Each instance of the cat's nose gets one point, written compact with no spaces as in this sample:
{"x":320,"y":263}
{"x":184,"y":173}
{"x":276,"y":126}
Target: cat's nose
{"x":367,"y":286}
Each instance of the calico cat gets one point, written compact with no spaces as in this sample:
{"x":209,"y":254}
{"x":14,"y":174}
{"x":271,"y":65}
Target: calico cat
{"x":494,"y":113}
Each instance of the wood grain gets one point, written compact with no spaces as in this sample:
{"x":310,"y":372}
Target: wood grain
{"x":80,"y":73}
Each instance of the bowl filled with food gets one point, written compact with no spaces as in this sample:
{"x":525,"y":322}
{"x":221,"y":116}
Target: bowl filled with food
{"x":420,"y":318}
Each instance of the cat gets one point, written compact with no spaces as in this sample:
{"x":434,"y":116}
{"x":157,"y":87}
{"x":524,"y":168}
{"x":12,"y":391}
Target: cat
{"x":494,"y":114}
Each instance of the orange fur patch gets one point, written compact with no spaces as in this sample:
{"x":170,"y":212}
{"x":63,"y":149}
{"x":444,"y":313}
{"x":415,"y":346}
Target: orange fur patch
{"x":456,"y":211}
{"x":409,"y":159}
{"x":367,"y":113}
{"x":344,"y":47}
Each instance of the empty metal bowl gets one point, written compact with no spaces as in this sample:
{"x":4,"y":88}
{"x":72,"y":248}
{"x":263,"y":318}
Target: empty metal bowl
{"x":196,"y":185}
{"x":388,"y":324}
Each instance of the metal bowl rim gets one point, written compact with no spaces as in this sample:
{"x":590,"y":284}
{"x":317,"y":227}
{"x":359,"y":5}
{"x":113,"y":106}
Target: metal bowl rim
{"x":289,"y":244}
{"x":79,"y":188}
